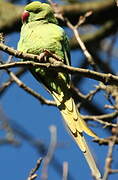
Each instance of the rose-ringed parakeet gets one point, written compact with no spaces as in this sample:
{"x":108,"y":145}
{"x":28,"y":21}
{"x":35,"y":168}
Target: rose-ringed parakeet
{"x":40,"y":31}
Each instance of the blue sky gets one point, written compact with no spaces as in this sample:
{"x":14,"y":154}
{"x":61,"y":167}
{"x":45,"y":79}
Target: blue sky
{"x":22,"y":108}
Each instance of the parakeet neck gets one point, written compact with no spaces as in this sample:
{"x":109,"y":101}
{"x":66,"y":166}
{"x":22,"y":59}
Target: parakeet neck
{"x":41,"y":21}
{"x":31,"y":24}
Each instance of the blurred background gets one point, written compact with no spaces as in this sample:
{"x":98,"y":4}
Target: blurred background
{"x":30,"y":128}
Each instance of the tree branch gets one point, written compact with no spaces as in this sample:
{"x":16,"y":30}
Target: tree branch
{"x":102,"y":12}
{"x":104,"y":31}
{"x":10,"y":81}
{"x":105,"y":78}
{"x":109,"y":158}
{"x":32,"y":174}
{"x":105,"y":141}
{"x":101,"y":118}
{"x":30,"y":91}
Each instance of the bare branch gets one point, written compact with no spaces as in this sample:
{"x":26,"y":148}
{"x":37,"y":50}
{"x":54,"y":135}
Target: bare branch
{"x":80,"y":42}
{"x":50,"y":152}
{"x":32,"y":174}
{"x":106,"y":78}
{"x":72,"y":11}
{"x":10,"y":81}
{"x":109,"y":158}
{"x":7,"y":141}
{"x":105,"y":141}
{"x":65,"y":171}
{"x":101,"y":118}
{"x":30,"y":91}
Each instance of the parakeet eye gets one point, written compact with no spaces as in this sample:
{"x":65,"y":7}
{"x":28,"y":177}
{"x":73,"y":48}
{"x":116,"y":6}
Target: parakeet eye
{"x":25,"y":16}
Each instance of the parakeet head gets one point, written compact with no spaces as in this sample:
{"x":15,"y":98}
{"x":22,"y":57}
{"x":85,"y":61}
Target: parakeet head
{"x":37,"y":11}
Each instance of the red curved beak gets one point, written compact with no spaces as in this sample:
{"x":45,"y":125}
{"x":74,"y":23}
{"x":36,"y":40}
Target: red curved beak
{"x":25,"y":16}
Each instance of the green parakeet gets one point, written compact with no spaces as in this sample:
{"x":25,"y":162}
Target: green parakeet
{"x":40,"y":31}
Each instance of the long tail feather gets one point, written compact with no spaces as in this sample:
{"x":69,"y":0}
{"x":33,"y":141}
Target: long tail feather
{"x":77,"y":126}
{"x":88,"y":156}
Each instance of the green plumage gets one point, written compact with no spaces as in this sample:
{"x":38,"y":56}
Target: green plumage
{"x":37,"y":34}
{"x":40,"y":31}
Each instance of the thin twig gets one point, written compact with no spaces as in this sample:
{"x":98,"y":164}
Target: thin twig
{"x":48,"y":158}
{"x":30,"y":91}
{"x":9,"y":133}
{"x":102,"y":118}
{"x":10,"y":81}
{"x":80,"y":42}
{"x":92,"y":93}
{"x":109,"y":159}
{"x":32,"y":174}
{"x":105,"y":141}
{"x":113,"y":171}
{"x":65,"y":171}
{"x":7,"y":141}
{"x":88,"y":96}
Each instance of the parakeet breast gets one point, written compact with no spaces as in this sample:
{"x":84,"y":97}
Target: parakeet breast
{"x":37,"y":36}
